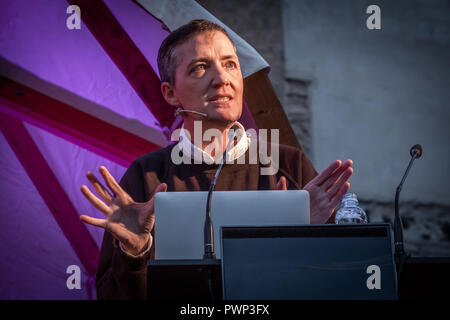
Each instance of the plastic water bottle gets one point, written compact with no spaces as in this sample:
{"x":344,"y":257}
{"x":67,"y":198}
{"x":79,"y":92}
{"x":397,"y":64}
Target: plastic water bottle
{"x":350,"y":212}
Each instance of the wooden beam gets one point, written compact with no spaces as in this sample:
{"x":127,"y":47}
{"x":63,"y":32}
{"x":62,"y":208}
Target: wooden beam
{"x":266,"y":108}
{"x":51,"y":191}
{"x":127,"y":57}
{"x":70,"y":123}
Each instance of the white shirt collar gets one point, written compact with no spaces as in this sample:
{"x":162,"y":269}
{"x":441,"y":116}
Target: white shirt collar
{"x":201,"y":156}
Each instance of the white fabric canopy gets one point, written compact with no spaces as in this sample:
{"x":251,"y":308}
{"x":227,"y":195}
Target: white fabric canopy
{"x":175,"y":13}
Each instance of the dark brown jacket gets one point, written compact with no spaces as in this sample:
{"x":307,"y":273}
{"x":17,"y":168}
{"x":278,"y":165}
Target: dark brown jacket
{"x":122,"y":277}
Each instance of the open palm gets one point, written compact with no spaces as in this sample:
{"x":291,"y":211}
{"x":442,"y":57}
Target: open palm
{"x":326,"y":190}
{"x":128,"y":221}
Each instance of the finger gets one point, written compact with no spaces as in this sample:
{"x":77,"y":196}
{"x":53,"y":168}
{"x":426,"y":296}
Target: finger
{"x":113,"y":185}
{"x":337,"y":186}
{"x":96,"y":202}
{"x":102,"y":191}
{"x":336,"y":174}
{"x":162,"y":187}
{"x":99,"y":188}
{"x":93,"y":221}
{"x":282,"y":183}
{"x":338,"y":198}
{"x":327,"y":172}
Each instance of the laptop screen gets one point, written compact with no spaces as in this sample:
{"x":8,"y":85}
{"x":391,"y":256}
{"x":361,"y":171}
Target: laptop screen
{"x":311,"y":262}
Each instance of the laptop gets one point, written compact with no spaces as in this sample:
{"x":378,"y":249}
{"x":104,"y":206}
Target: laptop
{"x":315,"y":262}
{"x":180,"y":217}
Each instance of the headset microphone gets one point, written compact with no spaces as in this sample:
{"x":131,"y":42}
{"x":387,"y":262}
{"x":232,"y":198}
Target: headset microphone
{"x":178,"y":112}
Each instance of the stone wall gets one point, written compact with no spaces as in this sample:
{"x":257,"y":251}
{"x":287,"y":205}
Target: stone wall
{"x":372,"y":95}
{"x":426,"y":227}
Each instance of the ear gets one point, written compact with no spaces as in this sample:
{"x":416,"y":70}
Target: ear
{"x":168,"y":92}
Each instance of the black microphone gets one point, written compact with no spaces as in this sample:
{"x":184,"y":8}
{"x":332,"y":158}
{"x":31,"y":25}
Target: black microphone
{"x":208,"y":229}
{"x":415,"y":152}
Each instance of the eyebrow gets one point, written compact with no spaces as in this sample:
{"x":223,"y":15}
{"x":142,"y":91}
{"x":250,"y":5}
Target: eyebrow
{"x":227,"y":57}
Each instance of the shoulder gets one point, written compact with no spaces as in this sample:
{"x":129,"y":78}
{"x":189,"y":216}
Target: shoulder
{"x":154,"y":161}
{"x":145,"y":173}
{"x":287,"y":154}
{"x":290,"y":151}
{"x":291,"y":158}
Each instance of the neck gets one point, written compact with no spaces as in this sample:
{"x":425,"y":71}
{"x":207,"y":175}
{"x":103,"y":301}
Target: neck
{"x":197,"y":131}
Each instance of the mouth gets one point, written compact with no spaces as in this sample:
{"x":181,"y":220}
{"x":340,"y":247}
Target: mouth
{"x":220,"y":99}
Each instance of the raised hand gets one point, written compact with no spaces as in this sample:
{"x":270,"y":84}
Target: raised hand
{"x":128,"y":221}
{"x":327,"y":189}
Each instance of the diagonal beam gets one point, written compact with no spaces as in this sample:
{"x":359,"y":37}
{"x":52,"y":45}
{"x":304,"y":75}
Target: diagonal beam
{"x":51,"y":191}
{"x":266,"y":108}
{"x":72,"y":124}
{"x":126,"y":55}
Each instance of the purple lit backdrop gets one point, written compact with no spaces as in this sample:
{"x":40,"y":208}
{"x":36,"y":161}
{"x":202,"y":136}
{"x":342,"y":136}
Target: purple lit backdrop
{"x":39,"y":51}
{"x":34,"y":253}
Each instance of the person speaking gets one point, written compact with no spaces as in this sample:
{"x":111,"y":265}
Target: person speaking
{"x":201,"y":76}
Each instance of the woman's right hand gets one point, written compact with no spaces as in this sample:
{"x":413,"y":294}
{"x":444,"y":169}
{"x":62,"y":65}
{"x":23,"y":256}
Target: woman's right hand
{"x":128,"y":221}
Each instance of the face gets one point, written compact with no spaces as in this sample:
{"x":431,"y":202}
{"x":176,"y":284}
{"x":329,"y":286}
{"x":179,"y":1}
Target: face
{"x":208,"y":79}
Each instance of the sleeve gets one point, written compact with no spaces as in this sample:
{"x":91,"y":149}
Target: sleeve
{"x":120,"y":276}
{"x":308,"y":171}
{"x":296,"y":167}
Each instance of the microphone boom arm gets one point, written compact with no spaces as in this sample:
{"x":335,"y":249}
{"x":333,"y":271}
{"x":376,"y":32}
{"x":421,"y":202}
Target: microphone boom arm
{"x":416,"y":152}
{"x":208,"y":228}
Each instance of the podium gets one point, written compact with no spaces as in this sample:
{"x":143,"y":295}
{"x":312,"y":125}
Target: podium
{"x":421,"y":279}
{"x":184,"y":280}
{"x":207,"y":280}
{"x":425,"y":278}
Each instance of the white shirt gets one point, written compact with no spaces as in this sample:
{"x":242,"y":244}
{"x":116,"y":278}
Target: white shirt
{"x":200,"y":156}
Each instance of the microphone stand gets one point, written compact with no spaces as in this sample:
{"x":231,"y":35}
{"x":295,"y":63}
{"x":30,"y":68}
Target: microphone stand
{"x":208,"y":228}
{"x":400,"y":255}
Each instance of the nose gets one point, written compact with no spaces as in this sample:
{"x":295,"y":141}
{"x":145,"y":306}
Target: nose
{"x":220,"y":77}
